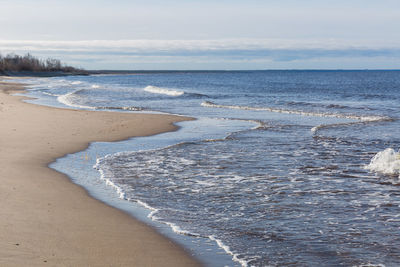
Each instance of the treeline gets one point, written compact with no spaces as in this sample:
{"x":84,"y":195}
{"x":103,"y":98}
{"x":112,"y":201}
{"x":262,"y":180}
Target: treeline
{"x":14,"y":64}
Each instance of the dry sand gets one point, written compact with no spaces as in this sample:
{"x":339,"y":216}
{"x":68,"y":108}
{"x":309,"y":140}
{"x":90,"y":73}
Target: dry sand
{"x":48,"y":220}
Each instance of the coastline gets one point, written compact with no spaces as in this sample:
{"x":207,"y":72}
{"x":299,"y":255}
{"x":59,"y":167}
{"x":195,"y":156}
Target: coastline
{"x":47,"y":219}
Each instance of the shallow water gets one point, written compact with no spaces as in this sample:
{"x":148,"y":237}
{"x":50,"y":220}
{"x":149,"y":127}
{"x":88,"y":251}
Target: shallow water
{"x":275,"y":172}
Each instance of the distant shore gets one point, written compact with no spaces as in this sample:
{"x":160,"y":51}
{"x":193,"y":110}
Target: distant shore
{"x":46,"y":219}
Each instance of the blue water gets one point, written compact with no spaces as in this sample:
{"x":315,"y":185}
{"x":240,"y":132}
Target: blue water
{"x":275,"y":171}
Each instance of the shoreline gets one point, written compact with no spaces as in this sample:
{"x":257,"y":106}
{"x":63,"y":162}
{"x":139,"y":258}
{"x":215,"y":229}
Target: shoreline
{"x":49,"y":219}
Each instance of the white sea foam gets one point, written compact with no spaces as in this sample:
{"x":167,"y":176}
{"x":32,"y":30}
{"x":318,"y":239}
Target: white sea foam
{"x":179,"y":230}
{"x":153,"y":210}
{"x":50,"y":94}
{"x":95,"y":86}
{"x":322,"y":126}
{"x":175,"y":228}
{"x":228,"y":251}
{"x":304,"y":113}
{"x":163,"y":91}
{"x":76,"y":82}
{"x":120,"y":108}
{"x":297,"y":112}
{"x":70,"y":100}
{"x":386,"y":162}
{"x":119,"y":190}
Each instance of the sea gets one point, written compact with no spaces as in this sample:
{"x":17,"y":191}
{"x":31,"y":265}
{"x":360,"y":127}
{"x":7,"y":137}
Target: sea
{"x":280,"y":168}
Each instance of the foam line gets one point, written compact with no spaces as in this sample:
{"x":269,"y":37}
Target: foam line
{"x":162,"y":91}
{"x":359,"y":119}
{"x":120,"y":192}
{"x":68,"y":100}
{"x":297,"y":112}
{"x":228,"y":251}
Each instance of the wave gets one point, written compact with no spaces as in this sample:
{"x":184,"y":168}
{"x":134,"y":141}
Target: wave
{"x":322,"y":126}
{"x":325,"y":105}
{"x":163,"y":91}
{"x":297,"y":112}
{"x":119,"y":190}
{"x":386,"y":162}
{"x":301,"y":103}
{"x":176,"y":229}
{"x":121,"y":108}
{"x":111,"y":180}
{"x":71,"y":98}
{"x":358,"y":118}
{"x":121,"y":194}
{"x":228,"y":251}
{"x":50,"y":94}
{"x":153,"y":211}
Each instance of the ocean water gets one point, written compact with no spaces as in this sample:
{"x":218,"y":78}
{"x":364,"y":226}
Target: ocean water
{"x":280,"y":168}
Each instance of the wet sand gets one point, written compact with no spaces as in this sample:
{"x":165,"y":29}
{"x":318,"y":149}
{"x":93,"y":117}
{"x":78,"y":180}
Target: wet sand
{"x":48,"y":220}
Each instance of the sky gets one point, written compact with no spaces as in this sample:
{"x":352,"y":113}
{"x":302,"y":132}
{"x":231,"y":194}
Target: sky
{"x":218,"y":34}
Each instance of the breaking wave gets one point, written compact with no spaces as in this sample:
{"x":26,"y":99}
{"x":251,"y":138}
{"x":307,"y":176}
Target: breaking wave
{"x":71,"y":99}
{"x":358,"y":118}
{"x":163,"y":91}
{"x":385,"y":162}
{"x":76,"y":82}
{"x":50,"y":94}
{"x":121,"y":108}
{"x":297,"y":112}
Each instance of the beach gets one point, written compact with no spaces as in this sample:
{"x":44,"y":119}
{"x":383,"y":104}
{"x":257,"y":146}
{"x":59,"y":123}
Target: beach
{"x":278,"y":168}
{"x":45,"y":218}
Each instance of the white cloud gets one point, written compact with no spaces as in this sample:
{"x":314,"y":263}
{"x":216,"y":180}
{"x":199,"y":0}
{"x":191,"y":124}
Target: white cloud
{"x":193,"y":45}
{"x":217,"y":53}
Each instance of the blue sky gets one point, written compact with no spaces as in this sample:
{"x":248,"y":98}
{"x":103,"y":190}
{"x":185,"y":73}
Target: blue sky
{"x":224,"y":34}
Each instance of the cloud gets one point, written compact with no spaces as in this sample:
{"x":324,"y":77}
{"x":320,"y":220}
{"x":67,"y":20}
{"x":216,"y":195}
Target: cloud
{"x":87,"y":53}
{"x":217,"y":44}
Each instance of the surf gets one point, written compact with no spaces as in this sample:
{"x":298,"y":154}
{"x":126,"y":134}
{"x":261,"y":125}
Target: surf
{"x":386,"y":162}
{"x":356,"y":118}
{"x":163,"y":91}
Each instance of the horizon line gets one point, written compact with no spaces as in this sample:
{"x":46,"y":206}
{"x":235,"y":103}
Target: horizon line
{"x":227,"y":70}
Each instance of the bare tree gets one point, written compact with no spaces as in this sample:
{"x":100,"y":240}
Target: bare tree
{"x":16,"y":63}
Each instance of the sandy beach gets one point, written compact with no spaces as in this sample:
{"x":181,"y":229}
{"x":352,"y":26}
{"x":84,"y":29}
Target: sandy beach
{"x":48,"y":220}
